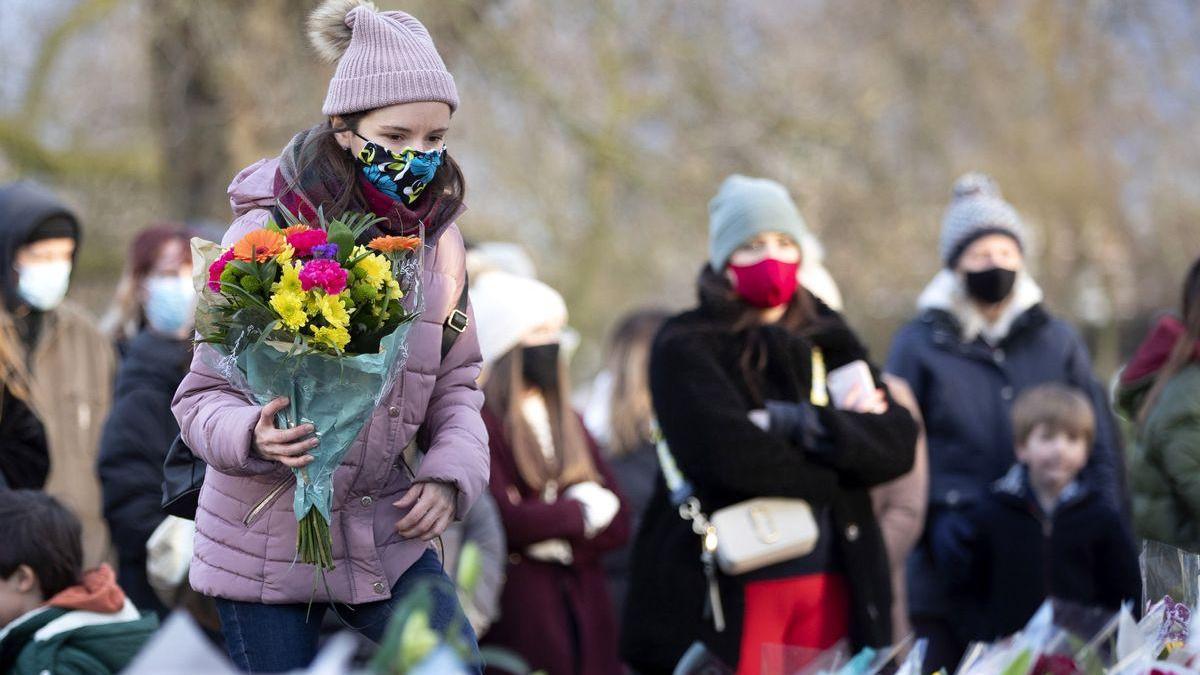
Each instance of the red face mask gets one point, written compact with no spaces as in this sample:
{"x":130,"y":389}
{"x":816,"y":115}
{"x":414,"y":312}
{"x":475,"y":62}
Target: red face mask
{"x":767,"y":283}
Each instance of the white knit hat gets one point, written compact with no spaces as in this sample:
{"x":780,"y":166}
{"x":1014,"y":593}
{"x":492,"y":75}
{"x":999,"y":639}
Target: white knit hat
{"x":977,"y":209}
{"x":508,"y":308}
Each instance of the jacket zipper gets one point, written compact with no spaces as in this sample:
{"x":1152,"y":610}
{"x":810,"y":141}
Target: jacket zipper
{"x":267,"y":500}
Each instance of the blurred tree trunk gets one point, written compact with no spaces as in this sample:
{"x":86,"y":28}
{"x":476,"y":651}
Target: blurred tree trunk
{"x":191,"y":115}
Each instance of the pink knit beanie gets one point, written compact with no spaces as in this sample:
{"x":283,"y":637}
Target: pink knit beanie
{"x":383,"y":58}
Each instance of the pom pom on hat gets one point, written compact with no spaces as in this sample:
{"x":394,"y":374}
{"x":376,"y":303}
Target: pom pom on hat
{"x":975,"y":183}
{"x":976,"y":209}
{"x":330,"y":24}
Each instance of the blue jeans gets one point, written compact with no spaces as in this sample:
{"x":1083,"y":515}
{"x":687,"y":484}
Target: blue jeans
{"x":275,"y":638}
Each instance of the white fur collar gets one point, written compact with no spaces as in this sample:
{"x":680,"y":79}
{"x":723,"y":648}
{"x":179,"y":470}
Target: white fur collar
{"x":946,"y":293}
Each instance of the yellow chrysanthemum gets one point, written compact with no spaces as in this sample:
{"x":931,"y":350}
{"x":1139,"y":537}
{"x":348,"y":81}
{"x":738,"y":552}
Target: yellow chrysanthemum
{"x":289,"y":282}
{"x":393,"y":290}
{"x":285,"y":256}
{"x":334,"y":338}
{"x":331,"y":307}
{"x":376,"y":270}
{"x":290,"y":307}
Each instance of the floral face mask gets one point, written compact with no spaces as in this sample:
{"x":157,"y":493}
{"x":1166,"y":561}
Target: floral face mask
{"x":403,"y":175}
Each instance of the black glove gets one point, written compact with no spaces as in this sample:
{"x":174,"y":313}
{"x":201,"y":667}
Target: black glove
{"x":801,"y":424}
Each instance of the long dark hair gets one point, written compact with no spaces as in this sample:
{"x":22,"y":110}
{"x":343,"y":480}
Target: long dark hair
{"x":1181,"y":354}
{"x":803,"y":317}
{"x":321,"y":160}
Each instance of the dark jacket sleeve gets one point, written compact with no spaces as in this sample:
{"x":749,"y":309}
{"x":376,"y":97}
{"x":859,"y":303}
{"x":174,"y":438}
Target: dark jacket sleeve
{"x":870,"y":449}
{"x":961,"y":556}
{"x":1106,"y":467}
{"x":1119,"y":575}
{"x":133,"y":445}
{"x":705,"y":421}
{"x":24,"y":456}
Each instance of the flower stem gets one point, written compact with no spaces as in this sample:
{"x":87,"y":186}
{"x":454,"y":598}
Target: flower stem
{"x":313,"y":541}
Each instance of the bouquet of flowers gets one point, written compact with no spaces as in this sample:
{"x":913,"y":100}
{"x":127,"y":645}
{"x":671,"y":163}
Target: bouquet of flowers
{"x":302,"y":311}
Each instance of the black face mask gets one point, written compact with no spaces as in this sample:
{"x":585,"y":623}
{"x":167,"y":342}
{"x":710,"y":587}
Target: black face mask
{"x":990,"y":286}
{"x":541,"y":366}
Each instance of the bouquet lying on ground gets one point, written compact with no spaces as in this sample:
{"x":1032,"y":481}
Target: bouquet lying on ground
{"x":302,"y":311}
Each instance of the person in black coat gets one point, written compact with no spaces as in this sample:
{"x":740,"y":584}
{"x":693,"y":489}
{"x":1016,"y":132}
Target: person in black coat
{"x":984,"y":336}
{"x":24,"y":453}
{"x":1039,"y":533}
{"x":753,"y":343}
{"x":141,"y":427}
{"x":24,"y":456}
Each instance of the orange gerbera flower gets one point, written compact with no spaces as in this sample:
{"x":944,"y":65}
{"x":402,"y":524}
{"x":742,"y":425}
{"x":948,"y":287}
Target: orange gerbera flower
{"x":295,"y":229}
{"x":259,"y":246}
{"x":394,"y":244}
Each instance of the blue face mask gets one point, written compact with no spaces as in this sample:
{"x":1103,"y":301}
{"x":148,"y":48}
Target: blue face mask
{"x":403,"y":175}
{"x":44,"y":285}
{"x":170,"y":303}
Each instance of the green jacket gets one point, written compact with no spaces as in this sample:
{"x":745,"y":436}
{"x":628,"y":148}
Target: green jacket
{"x":1164,"y":466}
{"x":72,"y":642}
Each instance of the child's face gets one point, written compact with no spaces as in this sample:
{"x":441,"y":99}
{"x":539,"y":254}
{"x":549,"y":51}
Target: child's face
{"x":19,"y":593}
{"x":1054,"y":457}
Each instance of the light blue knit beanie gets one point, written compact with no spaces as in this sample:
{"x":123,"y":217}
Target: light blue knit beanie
{"x":745,"y":207}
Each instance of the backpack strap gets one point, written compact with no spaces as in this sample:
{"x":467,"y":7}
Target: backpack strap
{"x":457,"y":323}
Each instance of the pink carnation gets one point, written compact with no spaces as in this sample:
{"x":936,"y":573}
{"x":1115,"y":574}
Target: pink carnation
{"x":304,"y":241}
{"x":326,"y":274}
{"x":215,"y":270}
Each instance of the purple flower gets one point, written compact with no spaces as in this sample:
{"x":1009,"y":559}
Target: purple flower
{"x":325,"y":251}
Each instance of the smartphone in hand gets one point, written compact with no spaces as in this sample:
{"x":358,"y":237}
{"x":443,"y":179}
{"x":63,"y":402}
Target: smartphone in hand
{"x":841,"y":381}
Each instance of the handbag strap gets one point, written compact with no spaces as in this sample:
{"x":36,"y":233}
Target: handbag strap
{"x":818,"y":392}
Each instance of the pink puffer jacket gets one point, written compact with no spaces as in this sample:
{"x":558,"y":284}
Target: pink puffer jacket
{"x":245,"y":526}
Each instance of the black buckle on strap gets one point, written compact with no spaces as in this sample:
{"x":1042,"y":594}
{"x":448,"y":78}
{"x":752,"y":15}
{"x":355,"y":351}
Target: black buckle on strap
{"x":458,"y":321}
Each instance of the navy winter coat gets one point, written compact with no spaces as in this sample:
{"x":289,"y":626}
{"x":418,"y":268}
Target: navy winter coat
{"x":1011,"y":556}
{"x":966,"y":392}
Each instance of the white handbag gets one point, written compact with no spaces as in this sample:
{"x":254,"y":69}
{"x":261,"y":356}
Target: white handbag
{"x":760,"y":532}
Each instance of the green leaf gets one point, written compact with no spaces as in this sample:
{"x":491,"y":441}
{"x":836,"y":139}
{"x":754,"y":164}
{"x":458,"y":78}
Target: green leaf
{"x":289,"y":218}
{"x":268,"y":273}
{"x":342,"y":236}
{"x":251,"y":300}
{"x":244,"y":267}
